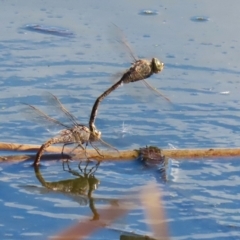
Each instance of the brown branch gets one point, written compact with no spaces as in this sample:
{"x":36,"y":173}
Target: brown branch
{"x":114,"y":155}
{"x":27,"y":147}
{"x":201,"y":152}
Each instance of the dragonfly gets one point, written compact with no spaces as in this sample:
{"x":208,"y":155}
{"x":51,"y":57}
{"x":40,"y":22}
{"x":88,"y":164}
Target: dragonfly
{"x":72,"y":133}
{"x":140,"y":70}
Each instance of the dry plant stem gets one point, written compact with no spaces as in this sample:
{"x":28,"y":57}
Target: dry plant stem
{"x":201,"y":153}
{"x":122,"y":155}
{"x":22,"y":158}
{"x":29,"y":147}
{"x":170,"y":153}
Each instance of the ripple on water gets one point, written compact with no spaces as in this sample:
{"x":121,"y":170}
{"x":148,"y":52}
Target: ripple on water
{"x":203,"y":194}
{"x":207,"y":195}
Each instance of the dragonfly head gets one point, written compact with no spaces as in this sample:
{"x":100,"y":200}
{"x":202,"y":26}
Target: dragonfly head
{"x":95,"y":135}
{"x":157,"y":65}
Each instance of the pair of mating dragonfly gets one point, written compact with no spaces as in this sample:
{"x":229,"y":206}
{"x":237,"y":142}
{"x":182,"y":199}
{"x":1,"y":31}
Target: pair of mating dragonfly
{"x":81,"y":135}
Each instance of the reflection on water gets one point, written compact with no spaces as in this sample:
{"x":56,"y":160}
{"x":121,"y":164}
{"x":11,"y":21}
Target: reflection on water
{"x":152,"y":157}
{"x":83,"y":185}
{"x":200,"y":193}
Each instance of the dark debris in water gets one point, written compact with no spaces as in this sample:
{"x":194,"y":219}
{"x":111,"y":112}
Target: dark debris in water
{"x":148,"y":13}
{"x":200,"y":19}
{"x":57,"y":31}
{"x":152,"y":156}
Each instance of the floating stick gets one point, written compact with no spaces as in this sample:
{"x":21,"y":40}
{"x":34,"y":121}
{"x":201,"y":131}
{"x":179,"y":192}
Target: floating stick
{"x":111,"y":156}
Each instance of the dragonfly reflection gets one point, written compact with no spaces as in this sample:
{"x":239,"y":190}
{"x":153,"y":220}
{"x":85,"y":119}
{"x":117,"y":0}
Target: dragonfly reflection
{"x":79,"y":188}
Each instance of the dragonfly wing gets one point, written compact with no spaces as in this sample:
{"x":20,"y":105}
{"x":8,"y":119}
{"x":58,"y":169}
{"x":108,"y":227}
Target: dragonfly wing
{"x":57,"y":108}
{"x":155,"y":90}
{"x":102,"y":144}
{"x":122,"y":41}
{"x":34,"y":114}
{"x":143,"y":93}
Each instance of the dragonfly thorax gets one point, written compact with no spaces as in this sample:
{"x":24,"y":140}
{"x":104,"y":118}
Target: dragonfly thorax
{"x":95,"y":135}
{"x":80,"y":133}
{"x":157,"y":65}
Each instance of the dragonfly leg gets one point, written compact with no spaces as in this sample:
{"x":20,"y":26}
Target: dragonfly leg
{"x":96,"y":149}
{"x":79,"y":166}
{"x":82,"y":147}
{"x":85,"y":150}
{"x":75,"y":173}
{"x":94,"y":169}
{"x":62,"y":153}
{"x":63,"y":165}
{"x":85,"y":168}
{"x":65,"y":144}
{"x":79,"y":145}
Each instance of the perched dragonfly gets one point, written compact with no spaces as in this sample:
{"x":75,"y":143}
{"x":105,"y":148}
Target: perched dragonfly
{"x":140,"y":70}
{"x":73,"y":132}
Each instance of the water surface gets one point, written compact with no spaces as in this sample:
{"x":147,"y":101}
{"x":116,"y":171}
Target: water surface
{"x":197,"y":41}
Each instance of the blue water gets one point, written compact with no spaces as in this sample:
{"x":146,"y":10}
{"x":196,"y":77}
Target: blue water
{"x":202,"y":195}
{"x":198,"y":43}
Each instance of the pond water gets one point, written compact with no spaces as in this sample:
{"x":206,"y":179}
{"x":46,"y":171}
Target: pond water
{"x":73,"y":56}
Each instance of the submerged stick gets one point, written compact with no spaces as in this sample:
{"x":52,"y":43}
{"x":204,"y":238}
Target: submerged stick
{"x":108,"y":156}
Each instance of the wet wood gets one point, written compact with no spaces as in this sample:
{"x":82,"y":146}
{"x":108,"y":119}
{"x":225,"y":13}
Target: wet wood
{"x":173,"y":153}
{"x":121,"y":155}
{"x":27,"y":147}
{"x":201,"y":153}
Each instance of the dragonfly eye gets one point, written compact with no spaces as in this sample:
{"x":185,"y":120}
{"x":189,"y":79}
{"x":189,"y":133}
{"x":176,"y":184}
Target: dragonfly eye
{"x":157,"y":66}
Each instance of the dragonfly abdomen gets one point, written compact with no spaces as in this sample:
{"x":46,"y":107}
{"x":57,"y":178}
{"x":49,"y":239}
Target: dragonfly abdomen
{"x":78,"y":134}
{"x":43,"y":147}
